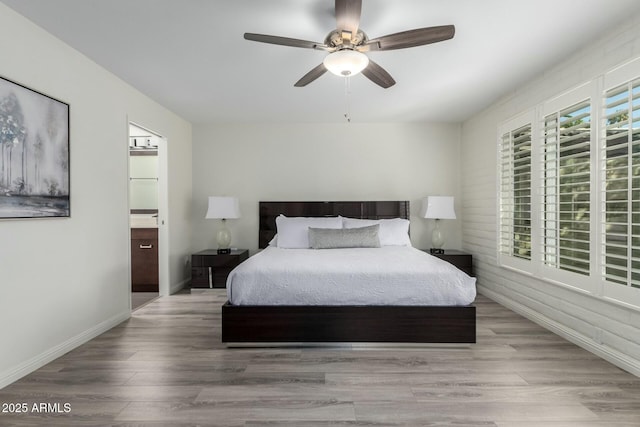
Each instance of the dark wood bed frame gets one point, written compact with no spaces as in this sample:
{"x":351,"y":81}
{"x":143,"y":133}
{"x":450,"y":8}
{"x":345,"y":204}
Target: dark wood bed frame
{"x":263,"y":325}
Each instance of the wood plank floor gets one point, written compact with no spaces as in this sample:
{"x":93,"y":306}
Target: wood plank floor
{"x":167,"y":367}
{"x":138,"y":299}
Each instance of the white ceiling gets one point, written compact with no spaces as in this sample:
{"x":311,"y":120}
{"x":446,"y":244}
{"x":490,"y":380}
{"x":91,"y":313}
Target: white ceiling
{"x":190,"y":55}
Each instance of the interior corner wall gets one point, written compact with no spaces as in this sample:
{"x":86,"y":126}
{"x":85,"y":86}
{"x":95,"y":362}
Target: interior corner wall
{"x":602,"y":327}
{"x":65,"y":280}
{"x":285,"y":162}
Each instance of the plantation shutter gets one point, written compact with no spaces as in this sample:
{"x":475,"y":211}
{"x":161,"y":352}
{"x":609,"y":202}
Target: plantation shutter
{"x":566,"y":187}
{"x":621,"y":198}
{"x":515,"y":193}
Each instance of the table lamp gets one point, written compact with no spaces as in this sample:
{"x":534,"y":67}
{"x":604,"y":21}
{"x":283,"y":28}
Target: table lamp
{"x":437,"y":207}
{"x":223,"y":208}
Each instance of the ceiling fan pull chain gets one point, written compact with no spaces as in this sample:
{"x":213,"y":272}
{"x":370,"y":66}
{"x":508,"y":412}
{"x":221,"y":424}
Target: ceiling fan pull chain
{"x":347,"y":98}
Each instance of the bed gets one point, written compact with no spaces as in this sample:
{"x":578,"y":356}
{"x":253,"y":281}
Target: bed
{"x":272,"y":319}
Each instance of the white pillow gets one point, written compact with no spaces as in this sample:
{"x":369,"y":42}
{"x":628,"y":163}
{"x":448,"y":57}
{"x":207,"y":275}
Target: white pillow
{"x":393,"y":232}
{"x":293,"y":233}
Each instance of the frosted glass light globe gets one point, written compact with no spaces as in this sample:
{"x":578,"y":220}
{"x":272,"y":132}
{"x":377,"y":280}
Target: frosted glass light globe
{"x":346,"y":62}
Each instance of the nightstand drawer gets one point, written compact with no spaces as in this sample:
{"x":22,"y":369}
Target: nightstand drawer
{"x":200,"y":277}
{"x":228,"y":261}
{"x":220,"y":278}
{"x":462,"y":260}
{"x":210,"y":269}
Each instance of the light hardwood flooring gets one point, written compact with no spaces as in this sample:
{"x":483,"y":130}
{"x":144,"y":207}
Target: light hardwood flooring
{"x":138,"y":299}
{"x":166,"y":367}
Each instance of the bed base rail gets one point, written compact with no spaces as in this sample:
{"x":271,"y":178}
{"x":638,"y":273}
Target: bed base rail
{"x":348,"y":324}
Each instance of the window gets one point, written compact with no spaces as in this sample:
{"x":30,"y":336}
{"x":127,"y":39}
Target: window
{"x":621,"y":195}
{"x":575,"y":159}
{"x":515,"y":193}
{"x":566,"y":189}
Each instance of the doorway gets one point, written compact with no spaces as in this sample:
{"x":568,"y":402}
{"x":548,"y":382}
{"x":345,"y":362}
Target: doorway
{"x":146,"y":217}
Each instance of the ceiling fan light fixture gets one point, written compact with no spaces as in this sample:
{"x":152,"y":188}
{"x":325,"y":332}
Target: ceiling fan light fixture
{"x":346,"y":62}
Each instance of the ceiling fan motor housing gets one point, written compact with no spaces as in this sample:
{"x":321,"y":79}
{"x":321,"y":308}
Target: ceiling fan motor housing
{"x":345,"y":39}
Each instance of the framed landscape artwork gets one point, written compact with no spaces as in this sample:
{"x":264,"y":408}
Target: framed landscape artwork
{"x":34,"y":153}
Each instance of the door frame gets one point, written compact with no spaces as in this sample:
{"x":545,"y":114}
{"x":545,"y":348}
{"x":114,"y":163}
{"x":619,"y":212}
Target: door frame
{"x":163,"y":210}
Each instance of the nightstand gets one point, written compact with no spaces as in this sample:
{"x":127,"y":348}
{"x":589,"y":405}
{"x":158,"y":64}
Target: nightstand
{"x":462,"y":260}
{"x":210,"y":269}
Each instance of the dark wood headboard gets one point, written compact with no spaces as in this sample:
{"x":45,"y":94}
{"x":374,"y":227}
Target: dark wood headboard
{"x":363,"y":210}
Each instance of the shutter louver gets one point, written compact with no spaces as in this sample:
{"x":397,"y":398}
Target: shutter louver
{"x":566,"y":185}
{"x":621,"y":195}
{"x":515,"y":193}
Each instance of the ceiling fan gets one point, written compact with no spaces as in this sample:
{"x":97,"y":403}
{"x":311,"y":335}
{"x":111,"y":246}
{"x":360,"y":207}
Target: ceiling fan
{"x":347,"y":45}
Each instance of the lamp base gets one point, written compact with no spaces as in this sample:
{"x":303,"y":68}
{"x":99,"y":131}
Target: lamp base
{"x":437,"y":239}
{"x":224,"y":238}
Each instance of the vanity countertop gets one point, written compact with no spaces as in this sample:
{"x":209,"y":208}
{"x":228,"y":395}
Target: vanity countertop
{"x":143,"y":221}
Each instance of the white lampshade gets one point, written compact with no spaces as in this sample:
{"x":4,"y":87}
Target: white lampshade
{"x":223,"y":208}
{"x":438,"y":207}
{"x":346,"y":62}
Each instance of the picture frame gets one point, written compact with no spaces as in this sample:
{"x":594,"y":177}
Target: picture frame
{"x":34,"y":153}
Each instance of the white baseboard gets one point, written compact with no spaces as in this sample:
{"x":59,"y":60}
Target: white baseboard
{"x":178,"y":286}
{"x":53,"y":353}
{"x":621,"y":360}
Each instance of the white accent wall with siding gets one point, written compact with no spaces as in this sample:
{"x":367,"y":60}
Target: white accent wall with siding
{"x":604,"y":327}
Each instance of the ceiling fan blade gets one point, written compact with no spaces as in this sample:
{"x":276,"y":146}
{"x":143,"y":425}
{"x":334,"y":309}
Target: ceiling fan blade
{"x":378,"y":75}
{"x":348,"y":17}
{"x":311,"y":76}
{"x":411,"y":38}
{"x":284,"y":41}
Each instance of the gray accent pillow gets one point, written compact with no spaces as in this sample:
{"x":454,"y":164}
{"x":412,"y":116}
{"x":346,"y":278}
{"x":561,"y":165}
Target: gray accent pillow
{"x":335,"y":238}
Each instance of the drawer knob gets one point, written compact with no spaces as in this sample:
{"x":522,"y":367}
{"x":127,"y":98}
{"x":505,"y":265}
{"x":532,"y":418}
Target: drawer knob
{"x":146,"y":246}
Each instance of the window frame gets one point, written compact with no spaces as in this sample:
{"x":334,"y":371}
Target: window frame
{"x":562,"y":102}
{"x":624,"y":294}
{"x":595,"y":284}
{"x":507,"y":260}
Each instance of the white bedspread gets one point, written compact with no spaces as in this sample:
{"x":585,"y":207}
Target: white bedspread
{"x":390,"y":275}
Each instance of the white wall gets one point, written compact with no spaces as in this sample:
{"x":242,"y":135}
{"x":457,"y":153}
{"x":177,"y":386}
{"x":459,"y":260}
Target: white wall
{"x":607,"y":329}
{"x":62,"y":281}
{"x":322,"y":162}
